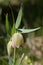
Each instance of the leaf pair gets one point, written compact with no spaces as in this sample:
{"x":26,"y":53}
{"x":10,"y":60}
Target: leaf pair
{"x":18,"y":21}
{"x":17,"y":24}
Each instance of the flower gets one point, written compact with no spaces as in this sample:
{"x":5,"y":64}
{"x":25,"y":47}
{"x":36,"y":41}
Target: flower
{"x":17,"y":40}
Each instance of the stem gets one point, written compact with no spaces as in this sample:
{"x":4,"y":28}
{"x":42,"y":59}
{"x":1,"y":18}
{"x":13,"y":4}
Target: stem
{"x":10,"y":60}
{"x":14,"y":57}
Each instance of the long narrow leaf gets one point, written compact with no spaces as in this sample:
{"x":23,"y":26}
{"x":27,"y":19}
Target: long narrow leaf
{"x":28,"y":30}
{"x":18,"y":21}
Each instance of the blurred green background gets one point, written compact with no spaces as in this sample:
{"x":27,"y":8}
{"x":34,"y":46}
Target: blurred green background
{"x":32,"y":18}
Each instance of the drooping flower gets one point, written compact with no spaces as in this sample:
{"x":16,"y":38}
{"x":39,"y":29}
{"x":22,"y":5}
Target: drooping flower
{"x":17,"y":40}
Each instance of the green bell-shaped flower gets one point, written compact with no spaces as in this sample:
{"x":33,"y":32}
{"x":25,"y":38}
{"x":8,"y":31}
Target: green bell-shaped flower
{"x":17,"y":40}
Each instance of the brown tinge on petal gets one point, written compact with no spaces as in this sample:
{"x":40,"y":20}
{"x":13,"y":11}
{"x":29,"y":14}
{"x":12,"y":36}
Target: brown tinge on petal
{"x":17,"y":40}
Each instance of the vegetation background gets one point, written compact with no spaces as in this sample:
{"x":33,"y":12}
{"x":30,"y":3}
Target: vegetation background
{"x":32,"y":18}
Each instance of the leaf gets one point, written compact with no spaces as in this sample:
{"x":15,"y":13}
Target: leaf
{"x":18,"y":21}
{"x":7,"y":24}
{"x":28,"y":30}
{"x":13,"y":29}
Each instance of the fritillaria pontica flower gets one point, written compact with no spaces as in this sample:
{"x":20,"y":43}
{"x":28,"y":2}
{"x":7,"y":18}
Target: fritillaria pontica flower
{"x":17,"y":40}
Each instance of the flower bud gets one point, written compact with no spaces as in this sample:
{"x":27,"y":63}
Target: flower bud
{"x":17,"y":40}
{"x":26,"y":59}
{"x":9,"y":48}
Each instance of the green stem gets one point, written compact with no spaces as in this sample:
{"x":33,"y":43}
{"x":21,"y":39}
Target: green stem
{"x":10,"y":60}
{"x":14,"y":57}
